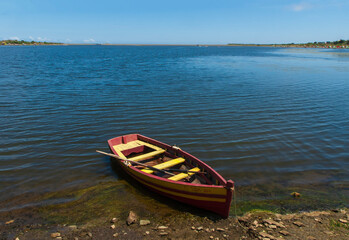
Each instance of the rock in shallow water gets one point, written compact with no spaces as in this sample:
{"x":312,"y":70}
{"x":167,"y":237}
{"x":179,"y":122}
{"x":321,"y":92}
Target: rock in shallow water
{"x":132,"y":218}
{"x":144,"y":222}
{"x":55,"y":235}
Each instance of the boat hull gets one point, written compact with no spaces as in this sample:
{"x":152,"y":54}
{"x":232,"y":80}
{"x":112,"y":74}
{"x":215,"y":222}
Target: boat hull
{"x":214,"y":198}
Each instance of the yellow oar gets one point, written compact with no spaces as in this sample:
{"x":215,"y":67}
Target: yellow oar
{"x":141,"y":164}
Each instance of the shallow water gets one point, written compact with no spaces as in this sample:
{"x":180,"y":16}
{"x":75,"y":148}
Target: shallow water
{"x":268,"y":118}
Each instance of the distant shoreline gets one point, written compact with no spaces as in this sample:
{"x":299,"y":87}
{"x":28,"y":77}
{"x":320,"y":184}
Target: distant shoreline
{"x":341,"y":44}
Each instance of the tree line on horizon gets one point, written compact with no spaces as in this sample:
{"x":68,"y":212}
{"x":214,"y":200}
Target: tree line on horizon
{"x":22,"y":42}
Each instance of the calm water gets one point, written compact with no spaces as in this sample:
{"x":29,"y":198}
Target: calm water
{"x":260,"y":116}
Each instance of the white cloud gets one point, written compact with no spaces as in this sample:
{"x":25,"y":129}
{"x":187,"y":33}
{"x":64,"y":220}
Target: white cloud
{"x":42,"y":39}
{"x":14,"y":38}
{"x":300,"y":7}
{"x":31,"y":38}
{"x":91,"y":40}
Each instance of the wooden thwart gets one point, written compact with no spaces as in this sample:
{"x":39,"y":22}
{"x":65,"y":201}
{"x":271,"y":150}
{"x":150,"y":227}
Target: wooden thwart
{"x":167,"y":164}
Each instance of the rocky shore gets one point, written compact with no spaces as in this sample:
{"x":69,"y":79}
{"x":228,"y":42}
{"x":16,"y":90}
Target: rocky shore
{"x":333,"y":224}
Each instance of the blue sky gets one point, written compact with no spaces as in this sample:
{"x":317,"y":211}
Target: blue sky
{"x":174,"y":22}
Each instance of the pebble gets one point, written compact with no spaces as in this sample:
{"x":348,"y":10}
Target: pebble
{"x":112,"y":226}
{"x":144,"y":222}
{"x":343,"y":221}
{"x":89,"y":234}
{"x":298,"y":224}
{"x":115,"y":234}
{"x":113,"y":220}
{"x":147,"y":232}
{"x":311,"y":238}
{"x":76,"y":238}
{"x":163,"y":233}
{"x":296,"y":195}
{"x":272,"y":222}
{"x":73,"y":227}
{"x":200,"y":228}
{"x":17,"y":238}
{"x":192,"y":228}
{"x":162,"y":227}
{"x":266,"y":235}
{"x":9,"y":222}
{"x":207,"y":230}
{"x":329,"y":232}
{"x":273,"y":226}
{"x":211,"y":237}
{"x":244,"y":219}
{"x":284,"y":232}
{"x":318,"y":220}
{"x":220,"y":229}
{"x":132,"y":217}
{"x":56,"y":234}
{"x":58,"y":238}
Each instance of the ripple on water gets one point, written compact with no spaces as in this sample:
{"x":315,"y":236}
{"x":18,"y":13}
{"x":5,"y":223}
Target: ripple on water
{"x":257,"y":115}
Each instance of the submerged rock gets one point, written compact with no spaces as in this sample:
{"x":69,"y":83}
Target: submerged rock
{"x":113,"y":220}
{"x":132,"y":218}
{"x":55,"y":235}
{"x":162,"y":227}
{"x":72,"y":227}
{"x":9,"y":222}
{"x":144,"y":222}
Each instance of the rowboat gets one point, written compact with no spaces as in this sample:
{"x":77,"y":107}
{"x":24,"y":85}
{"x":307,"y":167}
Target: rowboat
{"x":172,"y":172}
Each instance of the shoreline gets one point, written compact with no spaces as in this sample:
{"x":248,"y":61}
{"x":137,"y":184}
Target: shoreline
{"x":331,"y":224}
{"x":101,"y":211}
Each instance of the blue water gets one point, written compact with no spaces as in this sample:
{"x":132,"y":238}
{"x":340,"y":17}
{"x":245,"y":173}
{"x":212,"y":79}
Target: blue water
{"x":257,"y":115}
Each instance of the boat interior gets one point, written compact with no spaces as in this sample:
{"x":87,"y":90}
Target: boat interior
{"x":154,"y":160}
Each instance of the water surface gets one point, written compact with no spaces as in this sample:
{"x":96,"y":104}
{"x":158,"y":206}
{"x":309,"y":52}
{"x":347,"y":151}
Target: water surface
{"x":263,"y":117}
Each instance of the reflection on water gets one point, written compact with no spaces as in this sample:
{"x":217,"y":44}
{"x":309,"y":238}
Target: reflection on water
{"x":260,"y":116}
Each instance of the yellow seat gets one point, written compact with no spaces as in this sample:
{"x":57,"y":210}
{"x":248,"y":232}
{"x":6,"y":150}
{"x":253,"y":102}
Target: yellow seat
{"x":180,"y":176}
{"x":164,"y":165}
{"x":122,"y":147}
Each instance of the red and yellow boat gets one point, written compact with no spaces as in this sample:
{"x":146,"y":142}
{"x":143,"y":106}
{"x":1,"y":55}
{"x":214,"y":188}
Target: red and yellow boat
{"x":174,"y":173}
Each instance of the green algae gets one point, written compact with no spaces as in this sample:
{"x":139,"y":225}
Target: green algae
{"x":108,"y":199}
{"x":85,"y":204}
{"x":278,"y":199}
